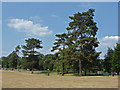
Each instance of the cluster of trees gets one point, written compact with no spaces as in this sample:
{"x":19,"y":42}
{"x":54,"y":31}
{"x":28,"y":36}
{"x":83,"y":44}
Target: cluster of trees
{"x":75,"y":50}
{"x":111,"y":63}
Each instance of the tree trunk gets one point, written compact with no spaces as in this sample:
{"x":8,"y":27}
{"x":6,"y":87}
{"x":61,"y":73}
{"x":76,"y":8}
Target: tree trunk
{"x":18,"y":65}
{"x":63,"y":61}
{"x":80,"y":68}
{"x":62,"y":69}
{"x":32,"y":71}
{"x":117,"y":73}
{"x":85,"y":73}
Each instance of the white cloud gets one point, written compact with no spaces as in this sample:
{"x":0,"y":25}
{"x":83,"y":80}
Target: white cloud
{"x":29,"y":27}
{"x":109,"y":41}
{"x":110,"y":38}
{"x":105,"y":42}
{"x":54,"y":16}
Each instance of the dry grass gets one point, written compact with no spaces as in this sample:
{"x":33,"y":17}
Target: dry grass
{"x":26,"y":80}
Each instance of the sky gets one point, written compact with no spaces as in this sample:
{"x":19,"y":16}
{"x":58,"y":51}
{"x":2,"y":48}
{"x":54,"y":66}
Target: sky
{"x":60,"y":0}
{"x":42,"y":20}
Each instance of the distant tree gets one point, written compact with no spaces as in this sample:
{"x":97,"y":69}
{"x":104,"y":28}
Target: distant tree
{"x":116,"y":59}
{"x":12,"y":60}
{"x":5,"y":62}
{"x":84,"y":29}
{"x":48,"y":62}
{"x":29,"y":51}
{"x":57,"y":66}
{"x":41,"y":61}
{"x":57,"y":63}
{"x":107,"y":63}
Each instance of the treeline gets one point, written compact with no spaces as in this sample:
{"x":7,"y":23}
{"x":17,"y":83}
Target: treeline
{"x":110,"y":64}
{"x":75,"y":50}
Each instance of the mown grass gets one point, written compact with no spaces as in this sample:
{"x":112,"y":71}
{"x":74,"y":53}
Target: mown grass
{"x":24,"y":79}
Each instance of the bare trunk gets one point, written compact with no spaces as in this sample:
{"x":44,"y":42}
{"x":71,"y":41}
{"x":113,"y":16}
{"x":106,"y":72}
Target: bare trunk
{"x":32,"y":71}
{"x":62,"y":69}
{"x":80,"y":65}
{"x":80,"y":68}
{"x":117,"y":73}
{"x":63,"y":61}
{"x":32,"y":58}
{"x":85,"y":73}
{"x":18,"y":65}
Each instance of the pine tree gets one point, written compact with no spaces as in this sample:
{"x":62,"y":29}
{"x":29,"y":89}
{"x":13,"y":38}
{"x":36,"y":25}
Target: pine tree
{"x":30,"y":53}
{"x":83,"y":29}
{"x":59,"y":45}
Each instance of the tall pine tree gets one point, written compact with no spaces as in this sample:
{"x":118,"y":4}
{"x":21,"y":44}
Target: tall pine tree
{"x":84,"y":29}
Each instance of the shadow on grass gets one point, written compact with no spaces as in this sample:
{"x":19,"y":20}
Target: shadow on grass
{"x":76,"y":74}
{"x":41,"y":72}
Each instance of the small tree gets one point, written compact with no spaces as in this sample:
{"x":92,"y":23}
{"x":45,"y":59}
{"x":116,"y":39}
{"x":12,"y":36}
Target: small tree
{"x":29,"y":51}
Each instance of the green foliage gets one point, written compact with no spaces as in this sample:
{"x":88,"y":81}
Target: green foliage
{"x":48,"y":62}
{"x":41,"y":61}
{"x":31,"y":45}
{"x":59,"y":45}
{"x":116,"y":59}
{"x":12,"y":60}
{"x":82,"y":30}
{"x":5,"y":62}
{"x":107,"y":61}
{"x":30,"y":54}
{"x":57,"y":66}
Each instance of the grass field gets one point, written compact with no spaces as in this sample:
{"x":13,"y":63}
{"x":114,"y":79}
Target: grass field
{"x":13,"y":79}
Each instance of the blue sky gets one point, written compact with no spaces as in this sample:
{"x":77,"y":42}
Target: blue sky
{"x":43,"y":20}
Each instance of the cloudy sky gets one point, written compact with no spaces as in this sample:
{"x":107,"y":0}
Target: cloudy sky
{"x":40,"y":20}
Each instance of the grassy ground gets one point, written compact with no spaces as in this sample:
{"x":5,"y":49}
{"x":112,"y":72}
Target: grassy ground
{"x":13,"y":79}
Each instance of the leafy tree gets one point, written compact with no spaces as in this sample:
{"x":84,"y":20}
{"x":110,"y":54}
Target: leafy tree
{"x":116,"y":59}
{"x":83,"y":29}
{"x":107,"y":61}
{"x":29,"y":51}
